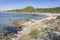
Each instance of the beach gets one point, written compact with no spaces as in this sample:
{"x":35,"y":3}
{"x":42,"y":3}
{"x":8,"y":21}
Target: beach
{"x":26,"y":21}
{"x":36,"y":23}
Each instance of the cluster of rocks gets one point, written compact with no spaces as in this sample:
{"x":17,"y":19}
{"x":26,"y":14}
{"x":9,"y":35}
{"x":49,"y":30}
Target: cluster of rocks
{"x":54,"y":27}
{"x":53,"y":36}
{"x":55,"y":30}
{"x":9,"y":32}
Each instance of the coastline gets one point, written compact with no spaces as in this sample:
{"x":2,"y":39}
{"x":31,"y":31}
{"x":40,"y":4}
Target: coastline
{"x":30,"y":24}
{"x":35,"y":23}
{"x":48,"y":14}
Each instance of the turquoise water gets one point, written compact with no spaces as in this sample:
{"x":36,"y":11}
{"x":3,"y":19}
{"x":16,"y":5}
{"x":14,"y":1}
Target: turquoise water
{"x":6,"y":18}
{"x":21,"y":16}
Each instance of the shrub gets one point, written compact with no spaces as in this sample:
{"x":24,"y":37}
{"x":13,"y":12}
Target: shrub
{"x":46,"y":29}
{"x":34,"y":33}
{"x":58,"y":17}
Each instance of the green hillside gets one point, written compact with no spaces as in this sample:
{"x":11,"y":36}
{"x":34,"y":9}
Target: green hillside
{"x":39,"y":10}
{"x":49,"y":10}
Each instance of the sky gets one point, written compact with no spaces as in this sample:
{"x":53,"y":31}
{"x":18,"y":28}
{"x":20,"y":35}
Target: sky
{"x":19,"y":4}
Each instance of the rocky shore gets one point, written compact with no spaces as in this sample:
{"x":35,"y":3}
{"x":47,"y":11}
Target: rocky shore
{"x":51,"y":30}
{"x":47,"y":29}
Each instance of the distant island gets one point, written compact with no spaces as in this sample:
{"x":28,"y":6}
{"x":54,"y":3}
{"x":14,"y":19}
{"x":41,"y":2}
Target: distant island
{"x":31,"y":9}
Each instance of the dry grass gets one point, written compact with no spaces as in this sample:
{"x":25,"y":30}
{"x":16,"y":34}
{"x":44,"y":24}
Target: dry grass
{"x":24,"y":37}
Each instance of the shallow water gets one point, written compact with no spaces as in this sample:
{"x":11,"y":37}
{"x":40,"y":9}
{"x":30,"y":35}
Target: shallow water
{"x":6,"y":18}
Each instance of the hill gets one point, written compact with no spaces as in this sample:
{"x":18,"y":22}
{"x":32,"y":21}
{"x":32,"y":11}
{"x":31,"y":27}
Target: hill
{"x":39,"y":10}
{"x":49,"y":10}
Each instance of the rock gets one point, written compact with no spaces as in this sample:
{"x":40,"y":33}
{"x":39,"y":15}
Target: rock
{"x":53,"y":36}
{"x":57,"y":29}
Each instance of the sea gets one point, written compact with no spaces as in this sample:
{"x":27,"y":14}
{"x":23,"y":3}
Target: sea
{"x":7,"y":18}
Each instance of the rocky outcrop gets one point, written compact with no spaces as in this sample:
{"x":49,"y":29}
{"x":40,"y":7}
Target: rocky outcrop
{"x":55,"y":33}
{"x":53,"y":36}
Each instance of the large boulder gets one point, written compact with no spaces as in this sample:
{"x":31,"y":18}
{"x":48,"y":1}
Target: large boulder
{"x":53,"y":36}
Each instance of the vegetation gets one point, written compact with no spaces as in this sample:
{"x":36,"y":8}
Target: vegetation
{"x":30,"y":9}
{"x":49,"y":10}
{"x":46,"y":29}
{"x":34,"y":33}
{"x":58,"y":17}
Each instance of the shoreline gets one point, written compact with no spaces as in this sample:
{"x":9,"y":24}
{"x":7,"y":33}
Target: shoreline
{"x":48,"y":14}
{"x":31,"y":13}
{"x":30,"y":24}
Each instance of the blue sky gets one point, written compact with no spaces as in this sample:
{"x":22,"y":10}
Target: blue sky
{"x":18,"y":4}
